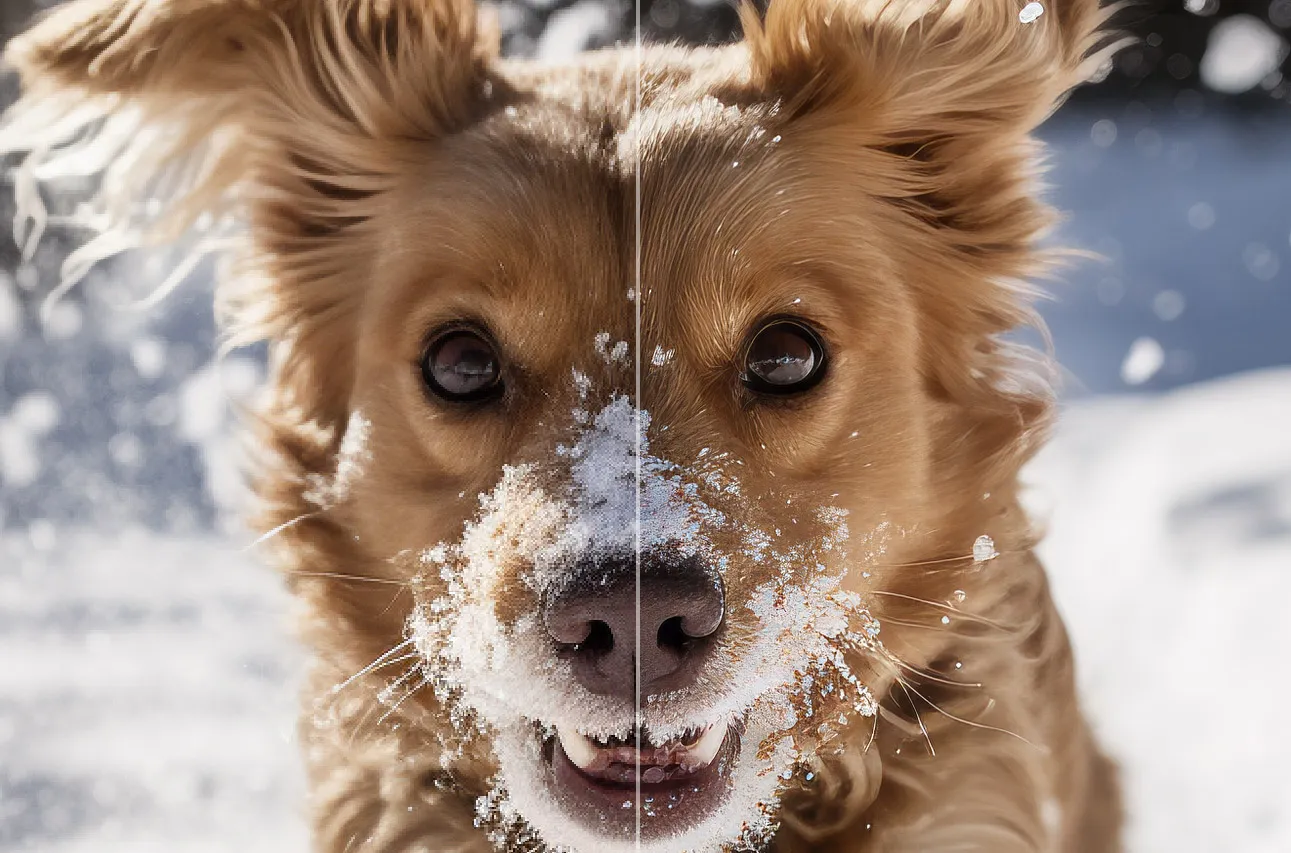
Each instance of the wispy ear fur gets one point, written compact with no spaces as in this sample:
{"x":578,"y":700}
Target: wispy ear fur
{"x":931,"y":104}
{"x":288,"y":117}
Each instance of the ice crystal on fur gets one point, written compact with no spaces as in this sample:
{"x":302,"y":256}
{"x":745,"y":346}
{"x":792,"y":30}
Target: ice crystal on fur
{"x":618,"y":353}
{"x":984,"y":549}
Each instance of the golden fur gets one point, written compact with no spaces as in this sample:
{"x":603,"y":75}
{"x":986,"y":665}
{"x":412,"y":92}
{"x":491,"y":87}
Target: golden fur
{"x":378,"y":170}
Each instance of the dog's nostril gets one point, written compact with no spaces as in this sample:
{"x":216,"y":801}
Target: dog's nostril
{"x":568,"y":629}
{"x":600,"y":638}
{"x":671,"y":636}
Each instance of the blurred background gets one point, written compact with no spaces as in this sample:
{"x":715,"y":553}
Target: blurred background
{"x":146,"y":695}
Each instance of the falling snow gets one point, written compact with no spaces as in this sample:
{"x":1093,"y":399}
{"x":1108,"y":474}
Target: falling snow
{"x":1143,"y":361}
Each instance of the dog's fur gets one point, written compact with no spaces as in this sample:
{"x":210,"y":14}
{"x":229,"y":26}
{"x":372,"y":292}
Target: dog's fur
{"x":866,"y":164}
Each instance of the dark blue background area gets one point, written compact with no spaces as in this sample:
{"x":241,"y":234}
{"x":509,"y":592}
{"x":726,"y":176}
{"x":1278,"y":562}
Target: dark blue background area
{"x":1130,"y":202}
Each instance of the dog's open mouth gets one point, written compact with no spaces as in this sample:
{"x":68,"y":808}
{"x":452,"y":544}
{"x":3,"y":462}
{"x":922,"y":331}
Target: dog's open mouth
{"x":682,"y":781}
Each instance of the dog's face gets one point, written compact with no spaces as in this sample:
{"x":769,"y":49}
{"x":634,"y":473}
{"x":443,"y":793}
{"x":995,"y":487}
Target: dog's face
{"x":621,"y":493}
{"x":648,"y":376}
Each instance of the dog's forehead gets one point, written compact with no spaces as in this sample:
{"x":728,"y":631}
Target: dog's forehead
{"x":581,"y":217}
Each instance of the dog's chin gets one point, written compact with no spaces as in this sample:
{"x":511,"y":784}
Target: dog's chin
{"x":617,"y":785}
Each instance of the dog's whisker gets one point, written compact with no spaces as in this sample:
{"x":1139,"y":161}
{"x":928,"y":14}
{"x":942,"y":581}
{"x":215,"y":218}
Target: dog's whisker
{"x":913,"y":564}
{"x":381,"y":661}
{"x":971,"y":723}
{"x":939,"y":605}
{"x":874,"y":733}
{"x":383,"y":698}
{"x":286,"y":525}
{"x":344,"y":577}
{"x":906,"y":623}
{"x":393,"y":599}
{"x":940,"y":561}
{"x":375,"y":667}
{"x":918,"y":718}
{"x":406,"y":696}
{"x":931,"y":676}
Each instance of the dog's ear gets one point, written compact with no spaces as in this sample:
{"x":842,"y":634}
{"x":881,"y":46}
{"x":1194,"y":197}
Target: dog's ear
{"x":287,"y":114}
{"x":346,"y":54}
{"x":929,"y":105}
{"x":919,"y":72}
{"x":940,"y":94}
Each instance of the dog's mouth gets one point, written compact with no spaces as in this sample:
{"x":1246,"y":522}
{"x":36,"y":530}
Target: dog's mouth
{"x":681,"y":781}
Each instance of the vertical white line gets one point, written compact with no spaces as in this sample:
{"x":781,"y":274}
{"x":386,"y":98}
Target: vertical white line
{"x":636,"y":360}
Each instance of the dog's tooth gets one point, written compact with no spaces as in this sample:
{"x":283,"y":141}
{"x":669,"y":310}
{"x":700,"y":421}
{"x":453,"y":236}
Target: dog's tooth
{"x":706,"y":750}
{"x":578,"y":748}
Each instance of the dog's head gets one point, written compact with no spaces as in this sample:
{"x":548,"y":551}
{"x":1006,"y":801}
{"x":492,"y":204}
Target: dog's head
{"x":657,"y":378}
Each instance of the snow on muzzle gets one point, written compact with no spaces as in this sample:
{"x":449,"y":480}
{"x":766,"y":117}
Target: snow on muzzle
{"x":529,"y":628}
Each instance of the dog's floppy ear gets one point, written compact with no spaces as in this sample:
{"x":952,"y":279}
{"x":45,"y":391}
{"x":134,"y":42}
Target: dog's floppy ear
{"x":349,"y":53}
{"x":287,"y":114}
{"x":921,"y":71}
{"x":948,"y":88}
{"x":929,"y":105}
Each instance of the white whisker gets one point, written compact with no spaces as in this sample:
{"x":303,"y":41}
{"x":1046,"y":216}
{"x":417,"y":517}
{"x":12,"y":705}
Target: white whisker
{"x":280,"y":528}
{"x":380,"y":662}
{"x":973,"y":724}
{"x":918,"y":718}
{"x":940,"y":605}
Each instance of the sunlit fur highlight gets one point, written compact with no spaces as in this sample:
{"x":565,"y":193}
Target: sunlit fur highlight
{"x":289,"y":127}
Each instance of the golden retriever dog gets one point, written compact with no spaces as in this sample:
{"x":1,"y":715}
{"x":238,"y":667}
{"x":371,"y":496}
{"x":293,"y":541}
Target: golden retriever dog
{"x":642,"y":433}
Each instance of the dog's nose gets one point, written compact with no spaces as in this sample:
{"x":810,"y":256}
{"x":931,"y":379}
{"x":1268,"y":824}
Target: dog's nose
{"x":675,"y":606}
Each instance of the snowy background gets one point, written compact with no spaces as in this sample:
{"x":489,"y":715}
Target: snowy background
{"x":146,"y":677}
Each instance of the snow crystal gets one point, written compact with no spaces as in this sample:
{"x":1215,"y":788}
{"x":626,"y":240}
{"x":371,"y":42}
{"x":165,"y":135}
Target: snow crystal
{"x":1030,"y":12}
{"x":1201,"y":216}
{"x":1103,"y":132}
{"x":1144,"y":359}
{"x":1241,"y":52}
{"x":608,"y":354}
{"x":571,"y":30}
{"x":149,"y":356}
{"x":37,"y":412}
{"x":1168,"y":305}
{"x":984,"y":549}
{"x":1260,"y":261}
{"x":661,"y":356}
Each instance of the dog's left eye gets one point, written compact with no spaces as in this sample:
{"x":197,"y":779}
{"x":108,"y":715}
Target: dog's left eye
{"x":784,"y":357}
{"x":461,"y":365}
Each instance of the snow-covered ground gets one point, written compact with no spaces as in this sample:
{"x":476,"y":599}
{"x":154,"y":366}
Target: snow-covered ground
{"x":146,"y":696}
{"x":1170,"y":550}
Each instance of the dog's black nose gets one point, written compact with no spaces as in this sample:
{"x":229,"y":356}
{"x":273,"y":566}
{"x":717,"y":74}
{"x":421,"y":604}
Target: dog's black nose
{"x":594,"y":621}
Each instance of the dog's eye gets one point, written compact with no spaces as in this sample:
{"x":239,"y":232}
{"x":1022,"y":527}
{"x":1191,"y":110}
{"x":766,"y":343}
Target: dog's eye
{"x":784,"y":357}
{"x":462,"y":365}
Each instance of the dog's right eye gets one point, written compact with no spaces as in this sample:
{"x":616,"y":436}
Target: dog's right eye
{"x":785,"y":356}
{"x":461,"y":365}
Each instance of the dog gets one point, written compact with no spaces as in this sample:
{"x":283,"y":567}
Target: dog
{"x":642,"y":433}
